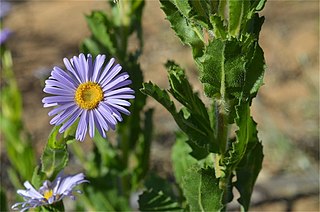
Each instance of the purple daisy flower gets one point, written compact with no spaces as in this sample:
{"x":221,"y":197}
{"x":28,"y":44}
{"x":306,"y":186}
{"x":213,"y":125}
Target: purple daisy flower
{"x":49,"y":193}
{"x":94,"y":92}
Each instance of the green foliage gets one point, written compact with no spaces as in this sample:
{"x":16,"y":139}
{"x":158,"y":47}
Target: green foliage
{"x":201,"y":189}
{"x":247,"y":173}
{"x":188,"y":32}
{"x":223,"y":36}
{"x":224,"y":39}
{"x":102,"y":195}
{"x":192,"y":118}
{"x":17,"y":141}
{"x":55,"y":155}
{"x":157,"y":201}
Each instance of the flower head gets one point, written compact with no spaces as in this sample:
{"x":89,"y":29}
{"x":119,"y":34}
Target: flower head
{"x":90,"y":90}
{"x":49,"y":192}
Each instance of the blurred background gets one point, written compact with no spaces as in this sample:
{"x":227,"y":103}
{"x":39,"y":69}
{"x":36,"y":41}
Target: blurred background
{"x":286,"y":108}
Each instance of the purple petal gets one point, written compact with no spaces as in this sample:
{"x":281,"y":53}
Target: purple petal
{"x":61,"y":76}
{"x":82,"y":126}
{"x":120,"y":108}
{"x":71,"y":69}
{"x":98,"y":63}
{"x":121,"y":96}
{"x":91,"y":123}
{"x":60,"y":108}
{"x":118,"y":91}
{"x":113,"y":72}
{"x":70,"y":121}
{"x":66,"y":114}
{"x":58,"y":91}
{"x":118,"y":102}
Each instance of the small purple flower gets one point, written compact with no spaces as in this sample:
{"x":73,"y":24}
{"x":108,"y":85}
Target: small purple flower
{"x":90,"y":90}
{"x":49,"y":193}
{"x":4,"y":35}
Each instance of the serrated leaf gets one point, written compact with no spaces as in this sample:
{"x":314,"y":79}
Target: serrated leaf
{"x":151,"y":200}
{"x":189,"y":34}
{"x":247,"y":173}
{"x":219,"y":29}
{"x":183,"y":6}
{"x":201,"y":189}
{"x":181,"y":89}
{"x":245,"y":134}
{"x":188,"y":122}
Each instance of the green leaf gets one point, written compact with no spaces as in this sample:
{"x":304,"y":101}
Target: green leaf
{"x":238,"y":10}
{"x":55,"y":154}
{"x":181,"y":159}
{"x":181,"y":89}
{"x":183,"y":6}
{"x":247,"y":173}
{"x":245,"y":134}
{"x":188,"y":122}
{"x":219,"y":29}
{"x":222,"y":68}
{"x":151,"y":200}
{"x":255,"y":71}
{"x":99,"y":23}
{"x":188,"y":32}
{"x":201,"y":189}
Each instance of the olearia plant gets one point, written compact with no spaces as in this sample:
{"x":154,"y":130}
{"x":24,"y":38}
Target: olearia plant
{"x":102,"y":89}
{"x":209,"y":159}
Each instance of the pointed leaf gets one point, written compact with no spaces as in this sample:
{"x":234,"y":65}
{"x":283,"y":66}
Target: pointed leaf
{"x":247,"y":173}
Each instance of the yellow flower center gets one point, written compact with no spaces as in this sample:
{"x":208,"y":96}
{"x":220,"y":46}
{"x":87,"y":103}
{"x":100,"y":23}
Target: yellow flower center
{"x":48,"y":194}
{"x":88,"y":95}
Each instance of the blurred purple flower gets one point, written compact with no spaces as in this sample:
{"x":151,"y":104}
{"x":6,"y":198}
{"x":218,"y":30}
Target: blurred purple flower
{"x":4,"y":34}
{"x":93,"y":91}
{"x":49,"y":193}
{"x":5,"y":8}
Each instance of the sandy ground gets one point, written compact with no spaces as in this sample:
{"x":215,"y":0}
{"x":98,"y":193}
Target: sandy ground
{"x":286,"y":109}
